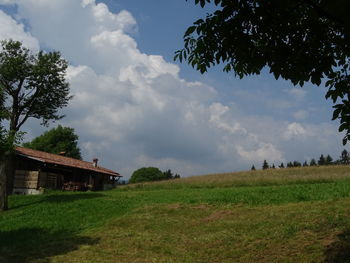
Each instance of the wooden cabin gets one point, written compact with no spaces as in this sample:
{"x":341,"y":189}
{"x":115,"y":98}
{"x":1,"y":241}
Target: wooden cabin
{"x":36,"y":170}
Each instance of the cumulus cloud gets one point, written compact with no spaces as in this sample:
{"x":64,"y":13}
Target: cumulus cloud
{"x":10,"y":29}
{"x":294,"y":130}
{"x":132,"y":109}
{"x":263,"y":151}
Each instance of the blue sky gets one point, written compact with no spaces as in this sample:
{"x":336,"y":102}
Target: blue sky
{"x":134,"y":106}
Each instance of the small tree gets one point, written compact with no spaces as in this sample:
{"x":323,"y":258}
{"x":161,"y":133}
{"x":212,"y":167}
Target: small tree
{"x":253,"y":168}
{"x":273,"y":166}
{"x":168,"y":174}
{"x":57,"y":140}
{"x":329,"y":160}
{"x":305,"y":164}
{"x":322,"y":160}
{"x":265,"y":165}
{"x":290,"y":165}
{"x":344,"y":157}
{"x":34,"y":86}
{"x":296,"y":164}
{"x":281,"y":165}
{"x":146,"y":174}
{"x":313,"y":162}
{"x":177,"y":176}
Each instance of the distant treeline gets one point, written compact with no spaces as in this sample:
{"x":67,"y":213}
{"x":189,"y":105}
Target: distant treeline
{"x":322,"y":160}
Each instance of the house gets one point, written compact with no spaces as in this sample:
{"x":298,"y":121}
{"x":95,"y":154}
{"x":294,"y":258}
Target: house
{"x":36,"y":170}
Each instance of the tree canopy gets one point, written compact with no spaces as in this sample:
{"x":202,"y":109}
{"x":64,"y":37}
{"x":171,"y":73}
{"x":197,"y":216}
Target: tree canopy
{"x":34,"y":85}
{"x":147,"y":174}
{"x":57,"y":140}
{"x":298,"y":40}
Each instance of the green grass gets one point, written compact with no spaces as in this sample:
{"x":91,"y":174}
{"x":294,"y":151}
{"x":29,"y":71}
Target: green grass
{"x":232,"y":219}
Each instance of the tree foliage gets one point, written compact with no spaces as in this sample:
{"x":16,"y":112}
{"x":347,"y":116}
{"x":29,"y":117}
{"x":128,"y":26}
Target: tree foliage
{"x":146,"y":174}
{"x":298,"y":40}
{"x":344,"y":157}
{"x":265,"y":165}
{"x":34,"y":85}
{"x":57,"y":140}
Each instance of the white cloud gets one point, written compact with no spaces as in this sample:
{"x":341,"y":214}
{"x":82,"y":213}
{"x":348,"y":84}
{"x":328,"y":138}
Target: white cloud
{"x":294,"y":130}
{"x":265,"y":151}
{"x":10,"y":29}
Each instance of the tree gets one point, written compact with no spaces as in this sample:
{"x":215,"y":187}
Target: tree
{"x":281,"y":165}
{"x":344,"y":157}
{"x":329,"y":160}
{"x":305,"y":164}
{"x":33,"y":86}
{"x":296,"y":164}
{"x":265,"y":165}
{"x":177,"y":176}
{"x":253,"y":168}
{"x":322,"y":160}
{"x":168,"y":174}
{"x":313,"y":162}
{"x":301,"y":41}
{"x":57,"y":140}
{"x":146,"y":174}
{"x":290,"y":165}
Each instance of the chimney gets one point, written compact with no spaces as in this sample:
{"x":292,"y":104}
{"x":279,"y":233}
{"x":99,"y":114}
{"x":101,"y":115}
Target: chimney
{"x":94,"y":162}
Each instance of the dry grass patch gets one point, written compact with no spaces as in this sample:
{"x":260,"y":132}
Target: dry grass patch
{"x":303,"y":232}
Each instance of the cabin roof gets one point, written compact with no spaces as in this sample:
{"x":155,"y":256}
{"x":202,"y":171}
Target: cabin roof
{"x":62,"y":160}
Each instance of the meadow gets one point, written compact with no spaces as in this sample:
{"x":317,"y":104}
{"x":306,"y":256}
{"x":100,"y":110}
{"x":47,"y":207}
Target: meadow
{"x":286,"y":215}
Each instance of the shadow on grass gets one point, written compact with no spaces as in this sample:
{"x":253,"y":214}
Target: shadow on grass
{"x":339,"y":251}
{"x":57,"y":198}
{"x":38,"y":245}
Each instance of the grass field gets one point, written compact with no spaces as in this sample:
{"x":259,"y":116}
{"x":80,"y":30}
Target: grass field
{"x":288,"y":215}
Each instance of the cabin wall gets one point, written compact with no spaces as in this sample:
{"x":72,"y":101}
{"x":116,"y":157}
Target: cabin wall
{"x":26,"y":182}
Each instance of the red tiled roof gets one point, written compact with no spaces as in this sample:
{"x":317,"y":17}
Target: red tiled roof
{"x":62,"y":160}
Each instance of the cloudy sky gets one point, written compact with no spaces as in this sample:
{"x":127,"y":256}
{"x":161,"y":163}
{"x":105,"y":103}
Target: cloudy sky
{"x":133,"y":106}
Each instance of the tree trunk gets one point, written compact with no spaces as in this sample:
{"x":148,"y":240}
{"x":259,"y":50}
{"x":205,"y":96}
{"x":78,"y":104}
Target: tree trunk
{"x":3,"y":184}
{"x":10,"y":171}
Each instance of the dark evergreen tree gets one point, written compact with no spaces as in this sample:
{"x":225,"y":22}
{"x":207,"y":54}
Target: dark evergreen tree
{"x":290,"y":165}
{"x":273,"y":166}
{"x":281,"y":165}
{"x":168,"y":175}
{"x":313,"y":162}
{"x":265,"y":165}
{"x":344,"y":157}
{"x":176,"y":176}
{"x":322,"y":160}
{"x":329,"y":160}
{"x":305,"y":164}
{"x":253,"y":168}
{"x":296,"y":164}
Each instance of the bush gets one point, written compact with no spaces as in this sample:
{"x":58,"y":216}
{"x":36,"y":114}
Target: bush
{"x":146,"y":174}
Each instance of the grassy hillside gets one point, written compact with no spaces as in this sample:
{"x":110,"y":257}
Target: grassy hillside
{"x":302,"y":175}
{"x":290,"y":215}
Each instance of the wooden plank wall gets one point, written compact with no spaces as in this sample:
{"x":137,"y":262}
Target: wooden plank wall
{"x":26,"y":179}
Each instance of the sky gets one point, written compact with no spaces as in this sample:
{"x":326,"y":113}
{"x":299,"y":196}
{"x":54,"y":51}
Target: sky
{"x":134,"y":107}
